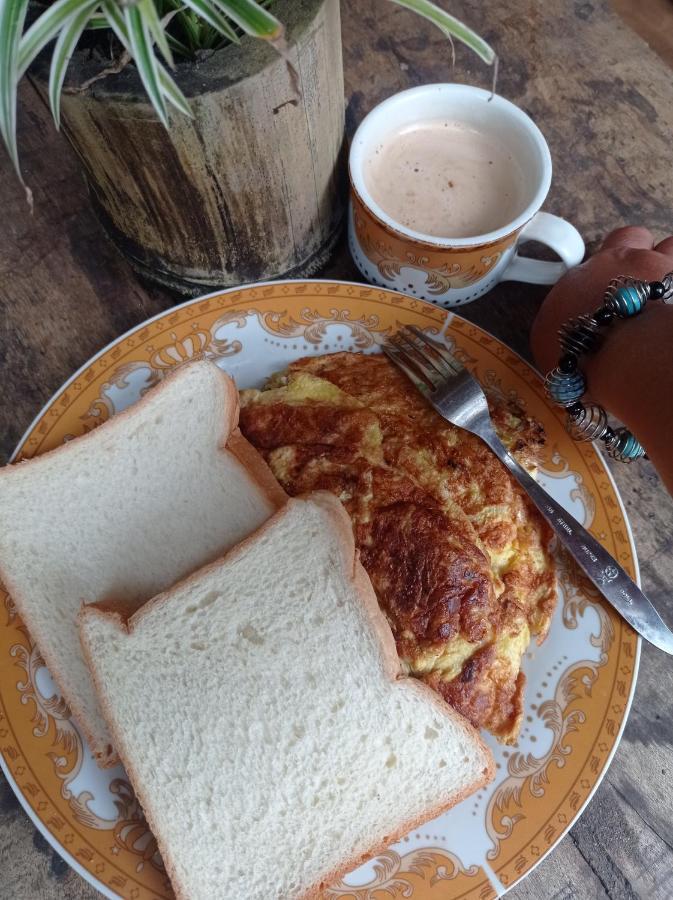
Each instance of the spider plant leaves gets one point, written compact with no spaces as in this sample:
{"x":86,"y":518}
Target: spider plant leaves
{"x":12,"y":18}
{"x":65,"y":47}
{"x":44,"y":29}
{"x":177,"y":46}
{"x":157,"y":29}
{"x":114,"y":17}
{"x":253,"y":18}
{"x":169,"y":88}
{"x":212,"y":13}
{"x":173,"y":94}
{"x":142,"y":50}
{"x":451,"y":27}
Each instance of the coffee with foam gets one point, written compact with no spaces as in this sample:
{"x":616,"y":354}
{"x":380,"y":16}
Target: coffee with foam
{"x":445,"y":178}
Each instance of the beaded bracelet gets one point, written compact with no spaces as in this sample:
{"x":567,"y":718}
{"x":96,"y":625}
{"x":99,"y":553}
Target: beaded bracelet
{"x":565,"y":385}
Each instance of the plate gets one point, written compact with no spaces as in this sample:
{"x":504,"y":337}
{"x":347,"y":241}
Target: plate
{"x":580,"y":681}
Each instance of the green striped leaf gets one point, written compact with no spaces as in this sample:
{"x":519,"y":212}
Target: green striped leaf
{"x":177,"y":46}
{"x":156,"y":28}
{"x":252,"y":18}
{"x":169,"y":88}
{"x":115,"y":20}
{"x":173,"y":94}
{"x":211,"y":14}
{"x":451,"y":27}
{"x":97,"y":23}
{"x":65,"y":46}
{"x":12,"y":17}
{"x":145,"y":60}
{"x":45,"y":29}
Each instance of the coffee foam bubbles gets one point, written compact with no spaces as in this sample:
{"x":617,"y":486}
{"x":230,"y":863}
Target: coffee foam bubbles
{"x":446,"y":179}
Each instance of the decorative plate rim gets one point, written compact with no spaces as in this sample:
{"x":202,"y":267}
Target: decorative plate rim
{"x":636,"y":670}
{"x":450,"y":314}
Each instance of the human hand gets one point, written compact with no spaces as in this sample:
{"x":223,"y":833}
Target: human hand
{"x":631,"y":373}
{"x":626,"y":251}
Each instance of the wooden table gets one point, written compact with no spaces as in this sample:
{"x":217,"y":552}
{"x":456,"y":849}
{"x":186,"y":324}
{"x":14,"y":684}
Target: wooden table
{"x":605,"y":103}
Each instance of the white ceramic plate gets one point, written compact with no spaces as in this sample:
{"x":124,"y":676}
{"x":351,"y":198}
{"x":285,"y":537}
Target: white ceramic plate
{"x":580,"y":681}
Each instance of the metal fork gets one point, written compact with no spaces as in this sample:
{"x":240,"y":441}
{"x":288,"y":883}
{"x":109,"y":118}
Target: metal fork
{"x":457,"y":396}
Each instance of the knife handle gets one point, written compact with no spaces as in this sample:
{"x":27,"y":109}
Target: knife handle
{"x":600,"y":567}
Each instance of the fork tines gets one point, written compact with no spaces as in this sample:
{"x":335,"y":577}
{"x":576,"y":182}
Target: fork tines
{"x":425,"y":361}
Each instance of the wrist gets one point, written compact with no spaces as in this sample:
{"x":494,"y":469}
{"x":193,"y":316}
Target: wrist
{"x":628,"y":364}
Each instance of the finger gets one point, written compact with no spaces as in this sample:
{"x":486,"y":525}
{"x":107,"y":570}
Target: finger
{"x":632,"y":236}
{"x":665,"y":247}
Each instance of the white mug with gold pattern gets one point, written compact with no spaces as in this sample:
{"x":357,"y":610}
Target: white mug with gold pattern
{"x":452,"y":271}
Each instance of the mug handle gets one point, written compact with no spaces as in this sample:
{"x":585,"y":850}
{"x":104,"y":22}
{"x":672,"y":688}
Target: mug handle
{"x":561,"y":236}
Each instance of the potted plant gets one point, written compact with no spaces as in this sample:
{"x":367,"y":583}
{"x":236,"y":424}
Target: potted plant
{"x":211,"y":158}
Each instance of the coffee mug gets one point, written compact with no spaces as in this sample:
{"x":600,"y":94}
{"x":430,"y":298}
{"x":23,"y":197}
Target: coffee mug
{"x":453,"y":271}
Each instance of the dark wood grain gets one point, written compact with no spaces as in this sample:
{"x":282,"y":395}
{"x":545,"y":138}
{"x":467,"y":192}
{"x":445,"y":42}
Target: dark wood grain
{"x":605,"y":103}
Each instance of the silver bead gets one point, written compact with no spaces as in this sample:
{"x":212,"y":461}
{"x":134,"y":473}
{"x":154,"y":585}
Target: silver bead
{"x":579,"y":335}
{"x":667,"y":282}
{"x":588,"y":424}
{"x":626,"y":296}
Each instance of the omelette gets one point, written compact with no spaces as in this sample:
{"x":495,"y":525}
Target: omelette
{"x":458,"y":556}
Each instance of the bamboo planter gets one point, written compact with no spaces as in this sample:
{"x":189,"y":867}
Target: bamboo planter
{"x":250,"y":188}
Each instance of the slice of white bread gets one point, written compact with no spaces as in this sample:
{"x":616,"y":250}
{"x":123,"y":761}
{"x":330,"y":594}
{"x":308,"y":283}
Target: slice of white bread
{"x":125,"y":511}
{"x":261,"y":714}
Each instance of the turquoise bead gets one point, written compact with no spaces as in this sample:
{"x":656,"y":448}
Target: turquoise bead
{"x":565,"y":388}
{"x":625,"y":447}
{"x":627,"y":301}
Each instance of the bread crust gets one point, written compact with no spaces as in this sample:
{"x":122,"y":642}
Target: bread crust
{"x":317,"y":891}
{"x":390,"y":660}
{"x":105,"y":756}
{"x":106,"y":610}
{"x":255,"y":463}
{"x":231,"y":396}
{"x":246,"y":454}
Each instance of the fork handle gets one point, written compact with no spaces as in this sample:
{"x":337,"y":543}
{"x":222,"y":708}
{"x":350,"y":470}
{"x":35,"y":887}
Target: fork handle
{"x":600,"y":567}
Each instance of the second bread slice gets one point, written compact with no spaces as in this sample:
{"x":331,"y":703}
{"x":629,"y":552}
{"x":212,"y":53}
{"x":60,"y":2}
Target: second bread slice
{"x":261,"y":713}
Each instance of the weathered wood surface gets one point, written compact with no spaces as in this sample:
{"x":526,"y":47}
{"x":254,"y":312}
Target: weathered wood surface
{"x":605,"y":103}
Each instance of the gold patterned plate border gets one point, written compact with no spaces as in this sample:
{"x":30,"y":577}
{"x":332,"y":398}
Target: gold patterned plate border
{"x":580,"y":683}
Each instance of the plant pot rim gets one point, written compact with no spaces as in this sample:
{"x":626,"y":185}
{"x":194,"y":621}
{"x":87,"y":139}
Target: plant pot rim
{"x":210,"y":71}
